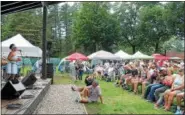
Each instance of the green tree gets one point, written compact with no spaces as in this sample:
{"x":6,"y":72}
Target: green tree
{"x":153,"y":26}
{"x":90,"y":26}
{"x":174,"y":44}
{"x":94,"y":28}
{"x":26,"y":23}
{"x":67,"y":15}
{"x":174,"y":15}
{"x":128,"y":16}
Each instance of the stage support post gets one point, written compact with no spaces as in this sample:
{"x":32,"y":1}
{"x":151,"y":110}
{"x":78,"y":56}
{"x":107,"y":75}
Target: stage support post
{"x":44,"y":41}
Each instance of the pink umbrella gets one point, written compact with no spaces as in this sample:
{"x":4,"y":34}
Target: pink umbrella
{"x":160,"y":57}
{"x":77,"y":56}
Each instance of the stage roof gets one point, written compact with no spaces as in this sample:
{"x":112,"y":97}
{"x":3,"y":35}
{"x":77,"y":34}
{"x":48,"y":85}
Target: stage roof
{"x":8,"y":7}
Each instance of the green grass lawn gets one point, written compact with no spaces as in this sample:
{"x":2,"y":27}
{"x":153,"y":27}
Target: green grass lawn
{"x":116,"y":100}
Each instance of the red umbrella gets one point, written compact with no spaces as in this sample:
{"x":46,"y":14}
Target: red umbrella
{"x":160,"y":57}
{"x":77,"y":56}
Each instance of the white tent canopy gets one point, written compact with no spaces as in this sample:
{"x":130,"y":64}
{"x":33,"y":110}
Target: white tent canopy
{"x":123,"y":55}
{"x":104,"y":55}
{"x":27,"y":49}
{"x":92,"y":55}
{"x":175,"y":58}
{"x":139,"y":55}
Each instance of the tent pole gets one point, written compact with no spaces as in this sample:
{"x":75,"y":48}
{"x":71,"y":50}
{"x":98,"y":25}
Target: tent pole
{"x":44,"y":75}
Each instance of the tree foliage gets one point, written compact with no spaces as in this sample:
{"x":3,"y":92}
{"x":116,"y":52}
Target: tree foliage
{"x":90,"y":26}
{"x":129,"y":22}
{"x":94,"y":28}
{"x":174,"y":44}
{"x":154,"y":26}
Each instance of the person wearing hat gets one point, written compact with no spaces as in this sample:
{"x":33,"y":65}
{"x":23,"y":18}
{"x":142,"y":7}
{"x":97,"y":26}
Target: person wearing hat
{"x":12,"y":68}
{"x":90,"y":93}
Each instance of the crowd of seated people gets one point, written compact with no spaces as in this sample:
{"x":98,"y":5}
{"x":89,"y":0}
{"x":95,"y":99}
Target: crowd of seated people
{"x":159,"y":84}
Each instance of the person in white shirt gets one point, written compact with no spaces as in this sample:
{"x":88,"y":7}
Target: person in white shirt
{"x":148,"y":79}
{"x":106,"y":64}
{"x":111,"y":72}
{"x":90,"y":93}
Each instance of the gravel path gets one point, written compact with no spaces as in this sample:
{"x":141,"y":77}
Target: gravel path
{"x":60,"y":100}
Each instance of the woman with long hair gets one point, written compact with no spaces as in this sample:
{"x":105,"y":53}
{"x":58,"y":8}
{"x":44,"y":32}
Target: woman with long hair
{"x":177,"y":87}
{"x":142,"y":78}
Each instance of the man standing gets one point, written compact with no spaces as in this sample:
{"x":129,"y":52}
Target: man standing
{"x":72,"y":70}
{"x":106,"y":64}
{"x":80,"y":70}
{"x":90,"y":93}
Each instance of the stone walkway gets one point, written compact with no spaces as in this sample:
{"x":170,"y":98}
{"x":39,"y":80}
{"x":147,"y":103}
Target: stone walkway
{"x":60,"y":99}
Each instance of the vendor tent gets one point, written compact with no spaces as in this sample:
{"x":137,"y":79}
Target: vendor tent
{"x":27,"y":49}
{"x":104,"y":55}
{"x":92,"y":55}
{"x":175,"y":58}
{"x":123,"y":55}
{"x":139,"y":55}
{"x":26,"y":62}
{"x":62,"y":61}
{"x":63,"y":65}
{"x":54,"y":61}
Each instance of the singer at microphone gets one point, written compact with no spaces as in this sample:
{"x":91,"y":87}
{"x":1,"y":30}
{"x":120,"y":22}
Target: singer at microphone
{"x":12,"y":68}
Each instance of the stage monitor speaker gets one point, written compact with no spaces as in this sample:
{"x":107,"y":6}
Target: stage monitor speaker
{"x":29,"y":80}
{"x":12,"y":91}
{"x":50,"y":71}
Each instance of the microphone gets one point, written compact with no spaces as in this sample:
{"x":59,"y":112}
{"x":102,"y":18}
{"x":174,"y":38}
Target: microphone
{"x":19,"y":50}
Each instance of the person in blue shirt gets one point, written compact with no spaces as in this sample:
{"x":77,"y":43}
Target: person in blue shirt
{"x":60,"y":68}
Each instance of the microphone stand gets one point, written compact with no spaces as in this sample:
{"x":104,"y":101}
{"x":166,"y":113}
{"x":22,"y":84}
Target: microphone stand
{"x":22,"y":61}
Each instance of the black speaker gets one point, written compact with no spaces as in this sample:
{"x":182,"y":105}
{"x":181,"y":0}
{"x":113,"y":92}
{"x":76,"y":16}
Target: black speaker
{"x":12,"y":91}
{"x":50,"y":71}
{"x":49,"y":45}
{"x":29,"y":80}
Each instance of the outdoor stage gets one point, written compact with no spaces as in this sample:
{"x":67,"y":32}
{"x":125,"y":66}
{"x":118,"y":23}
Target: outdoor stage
{"x":28,"y":105}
